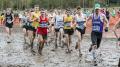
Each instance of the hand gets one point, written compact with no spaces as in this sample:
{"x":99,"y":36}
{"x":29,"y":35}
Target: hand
{"x":106,"y":29}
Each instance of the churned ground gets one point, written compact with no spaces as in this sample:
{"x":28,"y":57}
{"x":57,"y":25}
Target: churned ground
{"x":14,"y":54}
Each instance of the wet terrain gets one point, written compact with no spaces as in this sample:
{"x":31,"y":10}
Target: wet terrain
{"x":14,"y":54}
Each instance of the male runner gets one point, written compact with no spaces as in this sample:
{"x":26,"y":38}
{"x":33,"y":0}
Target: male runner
{"x":8,"y":24}
{"x":80,"y":20}
{"x":68,"y":29}
{"x":34,"y":24}
{"x":58,"y":27}
{"x":42,"y":31}
{"x":98,"y":20}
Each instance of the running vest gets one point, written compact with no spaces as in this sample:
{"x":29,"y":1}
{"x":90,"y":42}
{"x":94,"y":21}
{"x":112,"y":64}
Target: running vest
{"x":97,"y":24}
{"x":67,"y":22}
{"x":9,"y":18}
{"x":58,"y":21}
{"x":80,"y":22}
{"x":35,"y":15}
{"x":43,"y":22}
{"x":25,"y":20}
{"x":1,"y":17}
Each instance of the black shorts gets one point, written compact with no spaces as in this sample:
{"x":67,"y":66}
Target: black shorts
{"x":31,"y":28}
{"x":82,"y":31}
{"x":96,"y":38}
{"x":108,"y":18}
{"x":69,"y":31}
{"x":25,"y":26}
{"x":9,"y":25}
{"x":57,"y":29}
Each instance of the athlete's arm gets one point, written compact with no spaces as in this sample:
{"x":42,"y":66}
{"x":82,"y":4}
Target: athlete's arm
{"x":4,"y":21}
{"x":105,"y":20}
{"x":34,"y":19}
{"x":85,"y":20}
{"x":88,"y":19}
{"x":73,"y":22}
{"x":116,"y":26}
{"x":13,"y":18}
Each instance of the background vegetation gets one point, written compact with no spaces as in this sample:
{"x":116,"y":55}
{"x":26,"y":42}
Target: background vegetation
{"x":22,"y":4}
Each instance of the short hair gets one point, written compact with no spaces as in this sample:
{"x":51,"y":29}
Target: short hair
{"x":78,"y":7}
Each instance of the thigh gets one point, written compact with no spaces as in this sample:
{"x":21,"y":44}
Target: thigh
{"x":99,"y":38}
{"x":78,"y":33}
{"x":94,"y":38}
{"x":40,"y":37}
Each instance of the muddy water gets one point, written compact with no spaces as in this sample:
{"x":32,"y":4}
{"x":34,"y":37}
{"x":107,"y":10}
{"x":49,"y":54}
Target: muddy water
{"x":13,"y":54}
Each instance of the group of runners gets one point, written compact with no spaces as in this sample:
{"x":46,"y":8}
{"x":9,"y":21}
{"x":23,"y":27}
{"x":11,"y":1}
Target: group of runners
{"x":62,"y":24}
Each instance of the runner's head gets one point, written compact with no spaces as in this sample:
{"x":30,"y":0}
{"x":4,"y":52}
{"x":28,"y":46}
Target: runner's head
{"x":78,"y":10}
{"x":97,"y":10}
{"x":36,"y":8}
{"x":68,"y":12}
{"x":26,"y":13}
{"x":59,"y":12}
{"x":42,"y":12}
{"x":8,"y":11}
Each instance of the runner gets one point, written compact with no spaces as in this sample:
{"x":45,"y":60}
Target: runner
{"x":98,"y":20}
{"x":117,"y":26}
{"x":51,"y":28}
{"x":58,"y":28}
{"x":68,"y":29}
{"x":80,"y":20}
{"x":42,"y":31}
{"x":34,"y":24}
{"x":8,"y":24}
{"x":25,"y":24}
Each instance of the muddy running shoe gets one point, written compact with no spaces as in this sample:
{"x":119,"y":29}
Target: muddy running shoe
{"x":69,"y":51}
{"x":90,"y":48}
{"x":95,"y":63}
{"x":33,"y":52}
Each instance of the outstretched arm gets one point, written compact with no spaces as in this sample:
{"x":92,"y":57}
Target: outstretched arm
{"x":117,"y":25}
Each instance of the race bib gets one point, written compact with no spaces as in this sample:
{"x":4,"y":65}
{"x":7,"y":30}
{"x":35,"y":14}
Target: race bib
{"x":81,"y":25}
{"x":59,"y":23}
{"x":43,"y":25}
{"x":67,"y":25}
{"x":9,"y":21}
{"x":96,"y":28}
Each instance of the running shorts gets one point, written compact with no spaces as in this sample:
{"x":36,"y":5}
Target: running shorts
{"x":82,"y":31}
{"x":9,"y":25}
{"x":42,"y":31}
{"x":69,"y":31}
